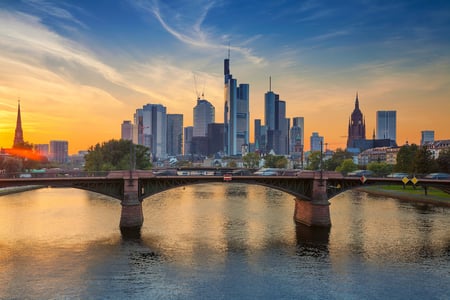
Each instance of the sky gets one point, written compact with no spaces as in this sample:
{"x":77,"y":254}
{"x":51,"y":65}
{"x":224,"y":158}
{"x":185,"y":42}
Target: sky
{"x":80,"y":68}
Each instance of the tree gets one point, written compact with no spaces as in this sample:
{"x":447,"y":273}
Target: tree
{"x":275,"y":161}
{"x":405,"y":158}
{"x":314,"y":160}
{"x":424,"y":162}
{"x":380,"y":169}
{"x":251,"y":160}
{"x":443,"y":161}
{"x":347,"y":166}
{"x":336,"y":160}
{"x":117,"y":155}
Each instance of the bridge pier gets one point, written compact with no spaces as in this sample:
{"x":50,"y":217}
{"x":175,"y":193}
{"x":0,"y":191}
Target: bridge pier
{"x":132,"y":217}
{"x":314,"y":213}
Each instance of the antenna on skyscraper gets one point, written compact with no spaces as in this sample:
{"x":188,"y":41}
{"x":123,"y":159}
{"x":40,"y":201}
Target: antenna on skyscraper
{"x":270,"y":83}
{"x":196,"y":90}
{"x":228,"y":50}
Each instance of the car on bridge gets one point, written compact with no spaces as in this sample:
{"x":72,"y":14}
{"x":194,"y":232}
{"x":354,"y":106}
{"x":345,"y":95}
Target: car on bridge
{"x":360,"y":173}
{"x":438,"y":176}
{"x":398,"y":175}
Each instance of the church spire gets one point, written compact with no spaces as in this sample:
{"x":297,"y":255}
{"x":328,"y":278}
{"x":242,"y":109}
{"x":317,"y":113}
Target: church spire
{"x":356,"y":101}
{"x":18,"y":135}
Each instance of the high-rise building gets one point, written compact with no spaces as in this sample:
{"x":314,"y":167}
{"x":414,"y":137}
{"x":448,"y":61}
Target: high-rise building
{"x":277,"y":125}
{"x":188,"y":134}
{"x":387,"y":125}
{"x":59,"y":151}
{"x":427,"y":136}
{"x":316,"y":142}
{"x":215,"y":138}
{"x":204,"y":114}
{"x":18,"y":134}
{"x":236,"y":113}
{"x":42,"y":149}
{"x":127,"y":131}
{"x":297,"y":134}
{"x":174,"y":134}
{"x":151,"y":123}
{"x":356,"y":126}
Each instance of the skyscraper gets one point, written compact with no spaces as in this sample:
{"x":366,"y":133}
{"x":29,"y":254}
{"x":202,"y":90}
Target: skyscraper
{"x":174,"y":134}
{"x":277,"y":125}
{"x":356,"y":126}
{"x":204,"y":114}
{"x":126,"y":131}
{"x":18,"y":134}
{"x":59,"y":151}
{"x":316,"y":142}
{"x":387,"y":125}
{"x":188,"y":133}
{"x":151,"y":123}
{"x":236,"y":113}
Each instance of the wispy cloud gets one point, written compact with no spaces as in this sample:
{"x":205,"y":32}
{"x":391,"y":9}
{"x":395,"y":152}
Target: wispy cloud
{"x":194,"y":34}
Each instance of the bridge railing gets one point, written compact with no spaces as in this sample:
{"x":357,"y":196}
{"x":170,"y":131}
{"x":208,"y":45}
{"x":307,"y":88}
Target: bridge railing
{"x":53,"y":174}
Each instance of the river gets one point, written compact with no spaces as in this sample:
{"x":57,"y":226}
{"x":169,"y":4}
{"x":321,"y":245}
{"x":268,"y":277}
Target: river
{"x":221,"y":241}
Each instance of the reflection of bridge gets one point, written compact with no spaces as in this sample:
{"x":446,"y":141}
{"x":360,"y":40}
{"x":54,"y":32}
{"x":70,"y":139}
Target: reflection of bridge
{"x":310,"y":189}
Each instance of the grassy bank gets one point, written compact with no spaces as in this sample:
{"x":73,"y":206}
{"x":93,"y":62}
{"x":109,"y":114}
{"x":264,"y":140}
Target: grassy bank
{"x":434,"y":196}
{"x":18,"y":189}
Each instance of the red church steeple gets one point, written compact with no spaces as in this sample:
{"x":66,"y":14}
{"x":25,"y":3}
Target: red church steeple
{"x":356,"y":126}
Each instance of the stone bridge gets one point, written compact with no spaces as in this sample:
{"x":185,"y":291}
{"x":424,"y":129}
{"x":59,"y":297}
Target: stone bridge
{"x":310,"y":189}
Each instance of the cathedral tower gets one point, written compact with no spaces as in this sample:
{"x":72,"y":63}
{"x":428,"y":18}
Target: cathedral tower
{"x":356,"y":125}
{"x":18,"y":135}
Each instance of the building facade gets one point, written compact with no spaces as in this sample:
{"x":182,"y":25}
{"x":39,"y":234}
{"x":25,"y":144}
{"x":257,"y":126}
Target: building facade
{"x":204,"y":114}
{"x":236,"y":113}
{"x":316,"y":142}
{"x":188,"y":134}
{"x":387,"y":125}
{"x":297,"y":135}
{"x":151,"y":123}
{"x":174,"y":134}
{"x":126,"y":132}
{"x":426,"y":136}
{"x":59,"y":151}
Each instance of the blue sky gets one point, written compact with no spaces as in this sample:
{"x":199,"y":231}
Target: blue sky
{"x":79,"y":65}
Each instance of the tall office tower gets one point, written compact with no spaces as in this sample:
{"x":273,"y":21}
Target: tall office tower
{"x":215,"y":138}
{"x":427,"y":136}
{"x":236,"y":113}
{"x":18,"y":134}
{"x":316,"y":142}
{"x":356,"y":126}
{"x":151,"y":123}
{"x":387,"y":125}
{"x":59,"y":151}
{"x":188,"y":134}
{"x":297,"y":135}
{"x":174,"y":134}
{"x":277,"y":124}
{"x":204,"y":114}
{"x":126,"y":131}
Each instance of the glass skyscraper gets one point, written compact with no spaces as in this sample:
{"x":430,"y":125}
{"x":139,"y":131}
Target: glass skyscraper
{"x":174,"y":134}
{"x":236,"y":113}
{"x":151,"y":123}
{"x":204,"y":114}
{"x":387,"y":125}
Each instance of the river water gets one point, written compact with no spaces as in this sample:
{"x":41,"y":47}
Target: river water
{"x":220,"y":241}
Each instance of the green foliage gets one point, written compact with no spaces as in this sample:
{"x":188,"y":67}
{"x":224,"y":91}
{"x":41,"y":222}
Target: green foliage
{"x":380,"y":169}
{"x":275,"y":161}
{"x":347,"y":166}
{"x":251,"y":160}
{"x":405,"y":158}
{"x":115,"y":155}
{"x":443,"y":161}
{"x":10,"y":164}
{"x":314,"y":161}
{"x":336,"y":160}
{"x":232,"y":164}
{"x":424,"y":162}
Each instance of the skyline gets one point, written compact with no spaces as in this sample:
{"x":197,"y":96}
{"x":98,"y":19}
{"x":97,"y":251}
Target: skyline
{"x":101,"y":61}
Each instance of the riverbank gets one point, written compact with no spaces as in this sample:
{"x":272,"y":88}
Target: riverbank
{"x":434,"y":197}
{"x":19,"y":189}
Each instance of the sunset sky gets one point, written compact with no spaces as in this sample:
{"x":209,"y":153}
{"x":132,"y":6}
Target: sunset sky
{"x":82,"y":67}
